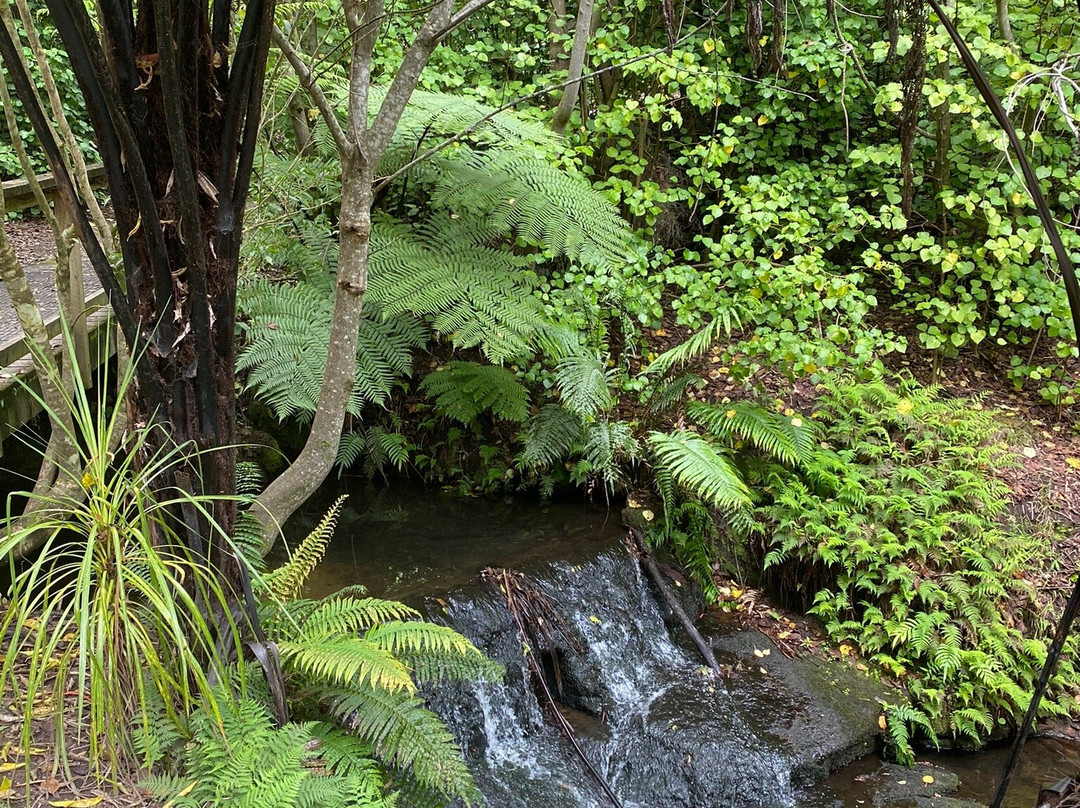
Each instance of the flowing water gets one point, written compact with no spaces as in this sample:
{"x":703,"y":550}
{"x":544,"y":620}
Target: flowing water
{"x":657,"y":730}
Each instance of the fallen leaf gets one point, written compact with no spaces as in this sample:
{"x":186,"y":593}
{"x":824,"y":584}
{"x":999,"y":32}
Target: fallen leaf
{"x":50,"y":785}
{"x":881,"y":721}
{"x":1029,"y":451}
{"x":845,"y":650}
{"x":1074,"y":462}
{"x":762,"y":654}
{"x":86,"y":802}
{"x":927,"y":779}
{"x":9,"y":767}
{"x":187,"y":790}
{"x":594,"y":619}
{"x":5,"y":785}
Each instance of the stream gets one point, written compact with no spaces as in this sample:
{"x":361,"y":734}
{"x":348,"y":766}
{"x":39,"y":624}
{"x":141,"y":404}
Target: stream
{"x":659,"y":731}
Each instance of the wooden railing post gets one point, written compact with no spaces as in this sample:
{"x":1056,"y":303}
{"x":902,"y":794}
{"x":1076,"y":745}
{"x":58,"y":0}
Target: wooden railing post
{"x":76,"y":291}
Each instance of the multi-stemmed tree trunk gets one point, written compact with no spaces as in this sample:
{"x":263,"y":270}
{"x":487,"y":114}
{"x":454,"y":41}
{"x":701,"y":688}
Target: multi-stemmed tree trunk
{"x":361,"y":141}
{"x":174,"y":103}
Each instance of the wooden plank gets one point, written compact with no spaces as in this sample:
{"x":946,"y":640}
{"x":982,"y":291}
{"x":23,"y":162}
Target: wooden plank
{"x":17,"y":404}
{"x":11,"y":354}
{"x":19,"y":196}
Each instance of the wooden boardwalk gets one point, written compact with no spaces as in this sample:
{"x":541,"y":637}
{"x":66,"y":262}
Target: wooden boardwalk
{"x":92,"y":318}
{"x":17,"y":404}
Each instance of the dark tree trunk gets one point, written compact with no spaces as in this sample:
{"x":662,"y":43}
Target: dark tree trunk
{"x":174,"y":104}
{"x":912,"y":78}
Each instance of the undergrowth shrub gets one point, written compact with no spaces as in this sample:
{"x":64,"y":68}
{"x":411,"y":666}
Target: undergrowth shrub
{"x":895,"y":532}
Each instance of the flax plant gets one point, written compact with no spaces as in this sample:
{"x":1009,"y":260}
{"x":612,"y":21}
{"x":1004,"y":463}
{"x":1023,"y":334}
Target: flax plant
{"x":115,"y":610}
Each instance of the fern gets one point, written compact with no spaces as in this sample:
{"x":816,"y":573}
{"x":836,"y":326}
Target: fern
{"x":406,"y":734}
{"x":465,"y":390}
{"x":696,"y":465}
{"x":286,"y":581}
{"x":789,"y":439}
{"x":584,"y":384}
{"x":727,"y":319}
{"x":550,"y":436}
{"x":284,"y":354}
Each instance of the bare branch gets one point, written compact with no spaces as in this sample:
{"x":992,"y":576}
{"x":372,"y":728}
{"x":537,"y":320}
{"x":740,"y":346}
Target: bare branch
{"x":464,"y":133}
{"x":466,"y":11}
{"x":311,"y":86}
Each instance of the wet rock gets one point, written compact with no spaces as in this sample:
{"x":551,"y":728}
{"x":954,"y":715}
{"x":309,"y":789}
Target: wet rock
{"x":824,"y":711}
{"x":918,"y":786}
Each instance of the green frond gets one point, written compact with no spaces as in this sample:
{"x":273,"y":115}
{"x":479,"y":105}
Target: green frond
{"x":346,"y":662}
{"x":465,"y":390}
{"x":549,"y":436}
{"x":699,"y":344}
{"x":336,"y":616}
{"x":408,"y":736}
{"x":476,"y":295}
{"x":585,"y":384}
{"x":286,"y":336}
{"x":286,"y":581}
{"x":789,"y":439}
{"x":700,"y":468}
{"x":401,"y":637}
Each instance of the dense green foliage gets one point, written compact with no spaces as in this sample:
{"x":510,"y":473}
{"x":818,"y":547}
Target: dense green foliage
{"x":883,"y":517}
{"x":361,"y":734}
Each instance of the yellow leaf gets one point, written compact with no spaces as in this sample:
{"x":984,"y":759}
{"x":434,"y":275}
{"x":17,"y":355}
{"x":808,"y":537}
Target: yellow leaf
{"x":1074,"y":462}
{"x":594,"y":619}
{"x":709,"y":46}
{"x":736,"y":592}
{"x":881,"y":721}
{"x":796,"y":422}
{"x":5,"y":785}
{"x":927,"y":779}
{"x":187,"y":790}
{"x":86,"y":802}
{"x":845,"y":649}
{"x":762,"y":120}
{"x":9,"y":767}
{"x":904,"y":406}
{"x":648,"y":515}
{"x":821,"y":82}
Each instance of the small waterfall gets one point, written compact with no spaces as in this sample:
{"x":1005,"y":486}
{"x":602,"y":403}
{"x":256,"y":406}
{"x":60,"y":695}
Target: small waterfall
{"x":662,"y":733}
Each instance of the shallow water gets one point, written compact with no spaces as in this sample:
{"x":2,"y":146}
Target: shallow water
{"x":661,"y":736}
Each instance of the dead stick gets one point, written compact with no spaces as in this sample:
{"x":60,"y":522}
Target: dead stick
{"x":672,"y":602}
{"x":538,"y":673}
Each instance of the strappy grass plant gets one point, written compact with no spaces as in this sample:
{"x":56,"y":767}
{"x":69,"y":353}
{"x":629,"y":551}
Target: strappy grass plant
{"x":112,"y":609}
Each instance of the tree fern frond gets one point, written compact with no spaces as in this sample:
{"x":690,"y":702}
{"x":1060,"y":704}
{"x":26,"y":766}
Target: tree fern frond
{"x":549,"y":436}
{"x":286,"y":337}
{"x":724,"y":322}
{"x":407,"y":735}
{"x":790,"y":440}
{"x":584,"y":384}
{"x":287,"y":580}
{"x":346,"y":662}
{"x":465,"y":390}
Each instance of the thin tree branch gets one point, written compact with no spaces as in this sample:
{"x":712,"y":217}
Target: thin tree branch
{"x":466,"y":11}
{"x":311,"y":86}
{"x":464,"y":133}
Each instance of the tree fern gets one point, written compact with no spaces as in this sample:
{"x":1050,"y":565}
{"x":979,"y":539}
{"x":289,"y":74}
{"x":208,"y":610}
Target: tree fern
{"x":284,"y":353}
{"x":465,"y":390}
